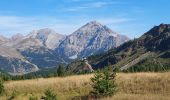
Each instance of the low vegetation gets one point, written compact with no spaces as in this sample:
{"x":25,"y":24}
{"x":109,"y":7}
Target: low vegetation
{"x":151,"y":65}
{"x":49,"y":95}
{"x":131,"y":86}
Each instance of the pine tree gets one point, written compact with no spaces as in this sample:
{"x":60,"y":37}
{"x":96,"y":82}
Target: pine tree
{"x":61,"y":70}
{"x":104,"y":83}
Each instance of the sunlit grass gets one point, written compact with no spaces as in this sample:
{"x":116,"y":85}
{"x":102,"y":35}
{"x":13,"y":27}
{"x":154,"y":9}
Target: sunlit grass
{"x":132,"y":86}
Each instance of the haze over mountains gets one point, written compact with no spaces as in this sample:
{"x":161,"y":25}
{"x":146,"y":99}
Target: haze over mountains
{"x":45,"y":48}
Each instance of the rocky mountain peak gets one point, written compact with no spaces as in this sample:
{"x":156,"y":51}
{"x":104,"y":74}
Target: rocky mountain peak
{"x":46,"y":36}
{"x":92,"y":38}
{"x":94,"y":23}
{"x":95,"y":28}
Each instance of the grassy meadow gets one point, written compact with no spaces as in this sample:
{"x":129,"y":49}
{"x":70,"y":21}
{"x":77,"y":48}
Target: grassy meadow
{"x":132,"y":86}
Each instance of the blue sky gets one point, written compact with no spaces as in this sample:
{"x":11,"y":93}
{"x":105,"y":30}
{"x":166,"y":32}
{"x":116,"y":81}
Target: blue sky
{"x":128,"y":17}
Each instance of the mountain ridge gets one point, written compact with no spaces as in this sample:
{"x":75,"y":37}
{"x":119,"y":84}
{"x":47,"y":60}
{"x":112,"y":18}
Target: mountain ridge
{"x":46,"y":48}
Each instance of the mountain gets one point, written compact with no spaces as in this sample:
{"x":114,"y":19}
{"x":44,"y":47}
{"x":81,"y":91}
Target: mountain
{"x":38,"y":38}
{"x":45,"y":48}
{"x":150,"y":52}
{"x":24,"y":54}
{"x":14,"y":63}
{"x":47,"y":37}
{"x":38,"y":48}
{"x":16,"y":37}
{"x":92,"y":38}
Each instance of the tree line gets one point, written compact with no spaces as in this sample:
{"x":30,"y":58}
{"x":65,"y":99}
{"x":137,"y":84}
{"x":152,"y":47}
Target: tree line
{"x":44,"y":73}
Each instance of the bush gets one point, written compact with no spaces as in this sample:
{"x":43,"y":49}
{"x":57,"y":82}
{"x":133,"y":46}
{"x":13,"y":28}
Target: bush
{"x":49,"y":95}
{"x":2,"y":90}
{"x":103,"y":83}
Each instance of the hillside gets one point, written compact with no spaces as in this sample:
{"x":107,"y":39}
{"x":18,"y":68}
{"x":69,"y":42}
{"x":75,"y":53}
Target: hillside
{"x":141,"y":86}
{"x":150,"y":52}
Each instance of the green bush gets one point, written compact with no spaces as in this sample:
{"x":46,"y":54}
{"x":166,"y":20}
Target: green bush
{"x":2,"y":90}
{"x":103,"y":83}
{"x":49,"y":95}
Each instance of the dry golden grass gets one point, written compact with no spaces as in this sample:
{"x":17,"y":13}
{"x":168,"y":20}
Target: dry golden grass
{"x":144,"y":83}
{"x":122,"y":96}
{"x":132,"y":86}
{"x":66,"y":87}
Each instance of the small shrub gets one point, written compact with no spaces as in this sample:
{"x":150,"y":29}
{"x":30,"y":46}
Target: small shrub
{"x":49,"y":95}
{"x":33,"y":97}
{"x":103,"y":83}
{"x":12,"y":97}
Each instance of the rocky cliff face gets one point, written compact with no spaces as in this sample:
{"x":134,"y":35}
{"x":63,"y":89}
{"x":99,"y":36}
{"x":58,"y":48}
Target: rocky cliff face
{"x":15,"y":66}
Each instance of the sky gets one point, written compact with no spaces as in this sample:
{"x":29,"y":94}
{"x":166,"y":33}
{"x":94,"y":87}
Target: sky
{"x":128,"y":17}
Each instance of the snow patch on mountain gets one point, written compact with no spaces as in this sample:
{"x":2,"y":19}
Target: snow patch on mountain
{"x":73,"y":57}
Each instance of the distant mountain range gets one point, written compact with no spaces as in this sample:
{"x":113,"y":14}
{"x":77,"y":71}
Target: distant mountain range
{"x":45,"y":48}
{"x":150,"y":52}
